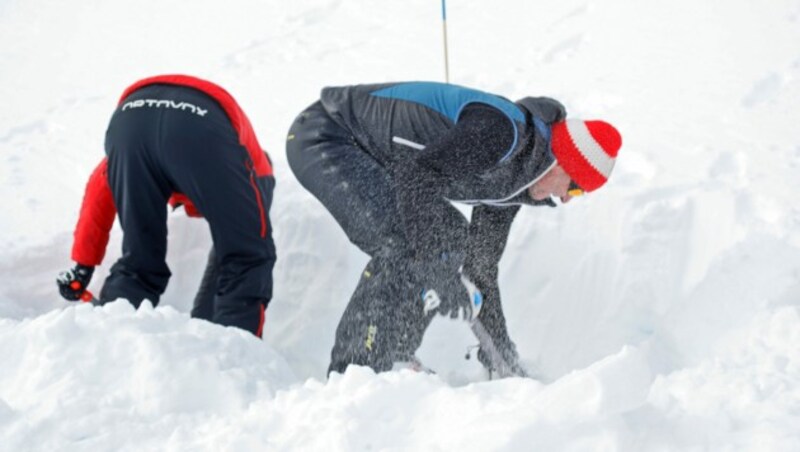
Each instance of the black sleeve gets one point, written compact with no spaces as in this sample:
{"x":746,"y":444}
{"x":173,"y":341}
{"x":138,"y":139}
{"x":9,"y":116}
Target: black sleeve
{"x":488,"y":234}
{"x":478,"y":140}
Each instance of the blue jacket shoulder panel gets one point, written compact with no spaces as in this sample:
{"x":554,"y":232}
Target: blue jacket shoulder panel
{"x":450,"y":101}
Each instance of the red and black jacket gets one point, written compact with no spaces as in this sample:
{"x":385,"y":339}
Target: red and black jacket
{"x":98,"y":210}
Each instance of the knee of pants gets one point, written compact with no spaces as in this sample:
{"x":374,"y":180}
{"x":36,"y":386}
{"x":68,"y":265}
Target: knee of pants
{"x":367,"y":345}
{"x":246,"y":279}
{"x":133,"y":284}
{"x":377,"y":331}
{"x":378,"y":346}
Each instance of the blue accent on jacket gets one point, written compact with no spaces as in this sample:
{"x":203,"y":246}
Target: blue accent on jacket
{"x":543,"y":129}
{"x":450,"y":100}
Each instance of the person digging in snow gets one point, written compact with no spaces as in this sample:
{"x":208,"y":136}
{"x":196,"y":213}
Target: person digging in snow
{"x":387,"y":160}
{"x":180,"y":140}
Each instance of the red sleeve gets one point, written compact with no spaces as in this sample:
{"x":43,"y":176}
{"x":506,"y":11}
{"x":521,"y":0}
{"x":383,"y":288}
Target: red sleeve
{"x":96,"y":218}
{"x":179,"y":199}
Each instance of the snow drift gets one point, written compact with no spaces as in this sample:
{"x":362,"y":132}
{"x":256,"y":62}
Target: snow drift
{"x":660,"y":313}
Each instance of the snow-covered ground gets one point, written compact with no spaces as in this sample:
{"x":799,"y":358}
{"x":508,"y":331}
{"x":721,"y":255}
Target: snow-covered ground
{"x":661,"y":312}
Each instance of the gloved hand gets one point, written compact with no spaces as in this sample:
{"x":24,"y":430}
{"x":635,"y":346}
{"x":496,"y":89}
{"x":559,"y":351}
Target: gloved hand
{"x":73,"y":282}
{"x":456,"y":296}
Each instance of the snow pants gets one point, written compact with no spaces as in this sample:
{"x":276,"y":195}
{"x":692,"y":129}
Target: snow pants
{"x":156,"y":150}
{"x":384,"y":321}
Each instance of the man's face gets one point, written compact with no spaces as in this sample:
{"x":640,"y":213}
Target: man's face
{"x":554,"y":183}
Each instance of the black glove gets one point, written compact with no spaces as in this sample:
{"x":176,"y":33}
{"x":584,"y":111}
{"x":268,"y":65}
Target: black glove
{"x":73,"y":282}
{"x":449,"y":292}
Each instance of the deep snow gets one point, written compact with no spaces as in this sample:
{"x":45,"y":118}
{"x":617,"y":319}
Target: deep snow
{"x":661,"y":312}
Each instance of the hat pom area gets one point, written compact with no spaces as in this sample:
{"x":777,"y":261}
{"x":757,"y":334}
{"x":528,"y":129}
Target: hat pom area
{"x":586,"y":150}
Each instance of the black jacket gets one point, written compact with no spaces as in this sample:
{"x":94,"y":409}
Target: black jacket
{"x":446,"y":143}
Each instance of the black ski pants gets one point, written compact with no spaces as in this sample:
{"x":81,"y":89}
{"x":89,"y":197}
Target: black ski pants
{"x":155,"y":150}
{"x":384,"y":321}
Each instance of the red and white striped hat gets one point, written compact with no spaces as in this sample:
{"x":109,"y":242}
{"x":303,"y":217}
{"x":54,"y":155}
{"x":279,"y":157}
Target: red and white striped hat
{"x":586,"y":150}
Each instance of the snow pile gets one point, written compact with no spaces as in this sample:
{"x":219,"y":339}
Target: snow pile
{"x":113,"y":375}
{"x":659,"y":313}
{"x":154,"y":379}
{"x":747,"y":396}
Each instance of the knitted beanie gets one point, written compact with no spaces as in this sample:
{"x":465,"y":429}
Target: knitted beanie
{"x":586,"y":150}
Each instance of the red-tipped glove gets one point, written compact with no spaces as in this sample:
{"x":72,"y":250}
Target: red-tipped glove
{"x":72,"y":283}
